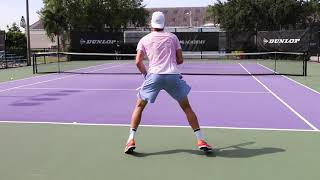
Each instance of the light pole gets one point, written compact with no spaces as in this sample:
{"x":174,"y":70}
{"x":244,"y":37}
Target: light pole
{"x":190,"y":14}
{"x":28,"y":35}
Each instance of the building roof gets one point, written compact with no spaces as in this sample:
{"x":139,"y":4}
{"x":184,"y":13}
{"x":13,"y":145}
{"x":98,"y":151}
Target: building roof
{"x":180,"y":16}
{"x":37,"y":25}
{"x":175,"y":17}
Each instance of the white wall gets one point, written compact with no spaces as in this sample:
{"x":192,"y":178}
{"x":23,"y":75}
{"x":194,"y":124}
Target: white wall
{"x":39,"y":39}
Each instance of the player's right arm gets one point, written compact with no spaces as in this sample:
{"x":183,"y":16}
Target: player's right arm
{"x":139,"y":63}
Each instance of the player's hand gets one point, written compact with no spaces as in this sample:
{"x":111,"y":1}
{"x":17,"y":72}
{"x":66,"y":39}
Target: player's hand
{"x":145,"y":76}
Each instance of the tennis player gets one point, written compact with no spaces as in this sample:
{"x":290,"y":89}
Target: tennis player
{"x":164,"y":53}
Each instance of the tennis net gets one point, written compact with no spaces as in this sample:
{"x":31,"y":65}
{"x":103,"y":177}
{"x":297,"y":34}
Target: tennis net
{"x":206,"y":63}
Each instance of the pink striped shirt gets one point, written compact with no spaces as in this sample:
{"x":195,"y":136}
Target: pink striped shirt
{"x":161,"y":48}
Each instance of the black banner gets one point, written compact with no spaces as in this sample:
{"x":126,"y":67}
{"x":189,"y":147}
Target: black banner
{"x":314,"y":38}
{"x":241,"y":41}
{"x":2,"y":40}
{"x":294,"y":40}
{"x":199,"y":41}
{"x":96,"y":42}
{"x":120,"y":42}
{"x":107,"y":42}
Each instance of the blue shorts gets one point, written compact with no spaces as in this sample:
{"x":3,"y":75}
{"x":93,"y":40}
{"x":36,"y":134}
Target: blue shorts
{"x":173,"y":84}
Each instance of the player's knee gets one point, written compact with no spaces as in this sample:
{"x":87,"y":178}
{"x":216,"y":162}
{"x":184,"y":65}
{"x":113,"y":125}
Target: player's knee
{"x":188,"y":110}
{"x":141,"y":104}
{"x":186,"y":107}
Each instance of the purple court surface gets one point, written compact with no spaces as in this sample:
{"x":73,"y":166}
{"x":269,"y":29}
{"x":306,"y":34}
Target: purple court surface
{"x":249,"y":102}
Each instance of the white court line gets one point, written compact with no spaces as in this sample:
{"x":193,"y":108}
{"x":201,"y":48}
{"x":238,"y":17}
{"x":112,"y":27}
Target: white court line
{"x":156,"y":126}
{"x":38,"y":76}
{"x":116,"y":89}
{"x":294,"y":81}
{"x":282,"y":101}
{"x":40,"y":82}
{"x":78,"y":89}
{"x":234,"y":92}
{"x":95,"y":67}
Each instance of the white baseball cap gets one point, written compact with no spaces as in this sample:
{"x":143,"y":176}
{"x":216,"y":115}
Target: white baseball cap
{"x":158,"y":20}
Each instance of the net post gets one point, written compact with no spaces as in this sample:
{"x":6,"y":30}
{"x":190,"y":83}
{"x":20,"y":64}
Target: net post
{"x":33,"y":64}
{"x":5,"y":59}
{"x":305,"y":64}
{"x":59,"y":68}
{"x":44,"y":57}
{"x":275,"y":63}
{"x":5,"y":55}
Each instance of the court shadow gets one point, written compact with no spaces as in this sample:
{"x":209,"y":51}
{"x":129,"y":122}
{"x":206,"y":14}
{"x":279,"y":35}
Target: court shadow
{"x":44,"y":99}
{"x":55,"y":94}
{"x":14,"y":96}
{"x":26,"y":104}
{"x":63,"y":93}
{"x":37,"y":100}
{"x":238,"y":151}
{"x":70,"y":91}
{"x":234,"y":151}
{"x":175,"y":151}
{"x":33,"y":101}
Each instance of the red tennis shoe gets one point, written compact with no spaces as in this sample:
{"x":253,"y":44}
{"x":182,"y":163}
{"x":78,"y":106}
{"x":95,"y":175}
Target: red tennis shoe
{"x":131,"y":145}
{"x":204,"y":146}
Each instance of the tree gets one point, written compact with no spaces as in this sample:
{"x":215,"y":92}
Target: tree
{"x":16,"y":41}
{"x":54,"y":19}
{"x":212,"y":13}
{"x":99,"y":15}
{"x":252,"y":15}
{"x":14,"y":28}
{"x":139,"y":17}
{"x":125,"y":12}
{"x":311,"y":11}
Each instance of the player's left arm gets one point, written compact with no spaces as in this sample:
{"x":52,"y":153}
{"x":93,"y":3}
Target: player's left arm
{"x":179,"y":54}
{"x":139,"y":62}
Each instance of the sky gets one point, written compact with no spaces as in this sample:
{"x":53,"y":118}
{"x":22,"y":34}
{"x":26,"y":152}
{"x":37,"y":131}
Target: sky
{"x":12,"y":10}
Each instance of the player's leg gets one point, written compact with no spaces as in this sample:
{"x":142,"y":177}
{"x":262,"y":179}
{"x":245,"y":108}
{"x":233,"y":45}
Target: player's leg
{"x":179,"y":90}
{"x":148,"y":93}
{"x":135,"y":121}
{"x":137,"y":113}
{"x":194,"y":123}
{"x":191,"y":116}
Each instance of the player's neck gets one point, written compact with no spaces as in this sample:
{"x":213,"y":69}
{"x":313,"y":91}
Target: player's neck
{"x":157,"y":30}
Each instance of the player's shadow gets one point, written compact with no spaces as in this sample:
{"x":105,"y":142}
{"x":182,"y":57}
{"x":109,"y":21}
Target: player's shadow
{"x":234,"y":151}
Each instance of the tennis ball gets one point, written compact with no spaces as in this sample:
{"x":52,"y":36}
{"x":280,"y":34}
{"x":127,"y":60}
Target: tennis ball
{"x":11,"y":78}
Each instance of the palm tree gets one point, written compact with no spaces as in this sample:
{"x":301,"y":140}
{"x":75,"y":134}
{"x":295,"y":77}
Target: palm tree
{"x":315,"y":9}
{"x":54,"y":21}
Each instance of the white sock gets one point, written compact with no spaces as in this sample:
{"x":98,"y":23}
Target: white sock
{"x":132,"y":134}
{"x":198,"y":134}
